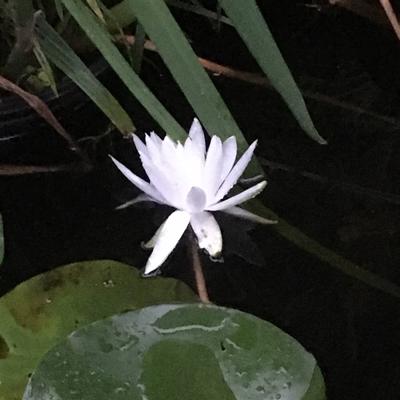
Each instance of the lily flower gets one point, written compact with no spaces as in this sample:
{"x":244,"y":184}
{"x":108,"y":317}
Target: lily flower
{"x":195,"y":182}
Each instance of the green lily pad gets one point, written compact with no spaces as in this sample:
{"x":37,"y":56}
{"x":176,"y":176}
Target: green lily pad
{"x":45,"y":309}
{"x":175,"y":352}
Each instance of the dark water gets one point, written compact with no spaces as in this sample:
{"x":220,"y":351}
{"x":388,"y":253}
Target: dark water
{"x":352,"y":330}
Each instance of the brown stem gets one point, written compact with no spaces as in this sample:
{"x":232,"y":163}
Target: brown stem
{"x":12,"y":170}
{"x":387,"y":6}
{"x":198,"y":271}
{"x":44,"y":111}
{"x":261,"y":80}
{"x":363,"y":9}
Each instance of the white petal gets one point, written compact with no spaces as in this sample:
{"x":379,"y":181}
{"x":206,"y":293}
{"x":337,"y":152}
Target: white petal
{"x":212,"y":168}
{"x":197,"y":135}
{"x":229,"y":149}
{"x":153,"y":148}
{"x":242,"y":213}
{"x":140,"y":146}
{"x":139,"y":182}
{"x":251,"y":181}
{"x":163,"y":178}
{"x":236,"y":172}
{"x":239,"y":198}
{"x":137,"y":199}
{"x":167,"y":141}
{"x":207,"y":232}
{"x":175,"y":168}
{"x":168,"y":237}
{"x":163,"y":182}
{"x":169,"y":155}
{"x":195,"y":200}
{"x":156,"y":139}
{"x":193,"y":164}
{"x":152,"y":242}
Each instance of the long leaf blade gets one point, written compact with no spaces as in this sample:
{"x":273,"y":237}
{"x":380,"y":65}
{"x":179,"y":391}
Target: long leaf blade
{"x":191,"y":77}
{"x":328,"y":256}
{"x":254,"y":31}
{"x":61,"y":55}
{"x":102,"y":40}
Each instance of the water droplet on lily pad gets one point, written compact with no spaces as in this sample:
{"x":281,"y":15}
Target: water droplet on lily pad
{"x":141,"y":352}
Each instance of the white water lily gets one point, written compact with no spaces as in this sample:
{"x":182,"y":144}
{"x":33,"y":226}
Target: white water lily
{"x":195,"y":182}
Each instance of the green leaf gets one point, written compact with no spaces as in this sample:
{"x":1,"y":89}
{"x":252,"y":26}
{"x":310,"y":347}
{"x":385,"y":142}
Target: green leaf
{"x":191,"y":77}
{"x":61,"y":55}
{"x":138,"y":48}
{"x":59,"y":9}
{"x":96,"y":9}
{"x":122,"y":15}
{"x":45,"y":309}
{"x":328,"y":256}
{"x":251,"y":26}
{"x":1,"y":240}
{"x":102,"y":40}
{"x":47,"y":71}
{"x":175,"y":352}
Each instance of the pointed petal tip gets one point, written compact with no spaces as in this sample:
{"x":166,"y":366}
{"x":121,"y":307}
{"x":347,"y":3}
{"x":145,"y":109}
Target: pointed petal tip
{"x":243,"y":213}
{"x":149,"y":269}
{"x":119,"y":165}
{"x":195,"y":123}
{"x":147,"y":245}
{"x":140,"y":146}
{"x":196,"y":133}
{"x":195,"y":128}
{"x":263,"y":184}
{"x":266,"y":221}
{"x":135,"y":137}
{"x":151,"y":273}
{"x":238,"y":198}
{"x":230,"y":138}
{"x":254,"y":144}
{"x":115,"y":161}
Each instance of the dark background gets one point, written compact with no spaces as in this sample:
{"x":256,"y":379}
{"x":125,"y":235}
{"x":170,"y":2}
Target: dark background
{"x":346,"y":194}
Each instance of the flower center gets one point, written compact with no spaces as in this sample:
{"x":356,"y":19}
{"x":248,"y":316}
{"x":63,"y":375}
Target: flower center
{"x":195,"y":200}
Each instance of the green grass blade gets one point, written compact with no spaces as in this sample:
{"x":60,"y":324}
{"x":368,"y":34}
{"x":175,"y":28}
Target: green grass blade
{"x":122,"y":14}
{"x":181,"y":60}
{"x":61,"y":55}
{"x":138,"y":48}
{"x":59,"y":9}
{"x":45,"y":65}
{"x":328,"y":256}
{"x":102,"y":40}
{"x":251,"y":26}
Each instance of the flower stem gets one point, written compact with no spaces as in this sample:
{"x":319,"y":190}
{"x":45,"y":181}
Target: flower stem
{"x":198,"y":271}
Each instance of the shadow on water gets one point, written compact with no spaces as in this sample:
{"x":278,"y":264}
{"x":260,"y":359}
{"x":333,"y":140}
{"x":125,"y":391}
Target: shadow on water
{"x":352,"y":330}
